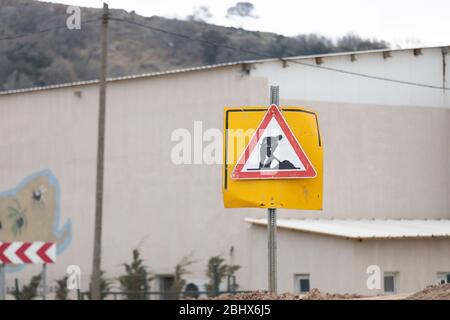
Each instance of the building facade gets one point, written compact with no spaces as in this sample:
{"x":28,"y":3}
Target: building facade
{"x":384,"y":118}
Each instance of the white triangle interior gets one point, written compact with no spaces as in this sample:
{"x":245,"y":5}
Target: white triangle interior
{"x":284,"y":151}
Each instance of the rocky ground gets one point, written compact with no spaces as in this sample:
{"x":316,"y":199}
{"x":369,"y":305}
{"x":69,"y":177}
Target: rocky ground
{"x":437,"y":292}
{"x":314,"y":294}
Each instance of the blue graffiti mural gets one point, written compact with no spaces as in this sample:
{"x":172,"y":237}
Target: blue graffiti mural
{"x":31,"y":212}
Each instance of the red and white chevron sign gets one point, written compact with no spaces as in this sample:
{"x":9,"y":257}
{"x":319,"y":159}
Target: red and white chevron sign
{"x":27,"y":252}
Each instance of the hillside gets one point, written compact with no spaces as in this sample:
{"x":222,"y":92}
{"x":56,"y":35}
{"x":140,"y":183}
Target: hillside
{"x":62,"y":55}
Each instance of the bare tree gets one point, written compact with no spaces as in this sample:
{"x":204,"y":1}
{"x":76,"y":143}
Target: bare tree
{"x":61,"y":291}
{"x":240,"y":11}
{"x":136,"y":280}
{"x":216,"y":271}
{"x":30,"y":291}
{"x":181,"y":269}
{"x":200,"y":14}
{"x":353,"y":42}
{"x":212,"y":52}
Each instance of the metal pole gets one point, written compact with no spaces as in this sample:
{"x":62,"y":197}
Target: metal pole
{"x":272,"y":218}
{"x":272,"y":245}
{"x":79,"y":297}
{"x":16,"y":288}
{"x":275,"y":95}
{"x":96,"y":268}
{"x":44,"y":281}
{"x":2,"y":282}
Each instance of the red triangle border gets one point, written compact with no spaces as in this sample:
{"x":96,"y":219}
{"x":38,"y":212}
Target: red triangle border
{"x":273,"y":111}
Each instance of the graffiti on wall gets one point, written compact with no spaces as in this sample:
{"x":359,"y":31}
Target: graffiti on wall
{"x":30,"y":212}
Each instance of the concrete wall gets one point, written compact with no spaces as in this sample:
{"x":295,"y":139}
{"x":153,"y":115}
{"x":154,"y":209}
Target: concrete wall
{"x":54,"y":129}
{"x":339,"y":265}
{"x":384,"y":162}
{"x":309,"y":83}
{"x":167,"y":210}
{"x":379,"y":162}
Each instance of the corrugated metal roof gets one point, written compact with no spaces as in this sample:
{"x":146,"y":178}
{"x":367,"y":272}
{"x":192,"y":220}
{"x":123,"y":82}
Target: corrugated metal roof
{"x":136,"y":76}
{"x":366,"y":228}
{"x":154,"y":74}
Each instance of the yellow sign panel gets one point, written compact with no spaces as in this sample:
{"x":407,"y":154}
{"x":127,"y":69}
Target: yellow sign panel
{"x":279,"y":170}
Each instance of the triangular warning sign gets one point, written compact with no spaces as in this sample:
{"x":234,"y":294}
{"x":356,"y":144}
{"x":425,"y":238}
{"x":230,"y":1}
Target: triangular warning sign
{"x":273,"y":152}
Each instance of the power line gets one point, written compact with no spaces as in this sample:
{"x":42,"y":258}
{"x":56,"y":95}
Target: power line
{"x":281,"y":59}
{"x":23,"y":35}
{"x":188,"y":37}
{"x":225,"y":46}
{"x":368,"y":75}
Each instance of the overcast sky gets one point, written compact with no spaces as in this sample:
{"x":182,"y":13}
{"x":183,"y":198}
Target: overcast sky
{"x":403,"y":23}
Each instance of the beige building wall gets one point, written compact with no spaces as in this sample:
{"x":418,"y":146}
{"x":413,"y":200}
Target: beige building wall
{"x":379,"y":162}
{"x":54,"y":129}
{"x":304,"y":79}
{"x":339,"y":265}
{"x":384,"y":162}
{"x":166,"y":210}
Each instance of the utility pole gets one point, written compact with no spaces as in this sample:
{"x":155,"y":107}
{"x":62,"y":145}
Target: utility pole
{"x":2,"y":282}
{"x":96,"y":268}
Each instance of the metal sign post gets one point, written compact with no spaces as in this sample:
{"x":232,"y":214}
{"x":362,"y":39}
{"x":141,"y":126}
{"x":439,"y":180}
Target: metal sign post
{"x":2,"y":282}
{"x":79,"y":297}
{"x":272,"y":236}
{"x":44,"y":281}
{"x":272,"y":218}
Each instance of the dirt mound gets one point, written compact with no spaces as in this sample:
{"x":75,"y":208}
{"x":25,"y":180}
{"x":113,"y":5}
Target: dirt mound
{"x":314,"y":294}
{"x":437,"y":292}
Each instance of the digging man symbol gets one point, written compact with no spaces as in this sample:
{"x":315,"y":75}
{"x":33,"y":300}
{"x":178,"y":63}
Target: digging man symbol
{"x":267,"y":154}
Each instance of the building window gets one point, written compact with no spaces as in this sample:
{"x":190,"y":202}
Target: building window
{"x":443,"y":277}
{"x":302,"y":283}
{"x":165,"y":285}
{"x":390,"y":282}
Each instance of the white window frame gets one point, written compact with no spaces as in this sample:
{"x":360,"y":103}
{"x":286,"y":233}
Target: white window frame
{"x":395,"y":276}
{"x":159,"y":278}
{"x":442,"y":276}
{"x":297,"y":278}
